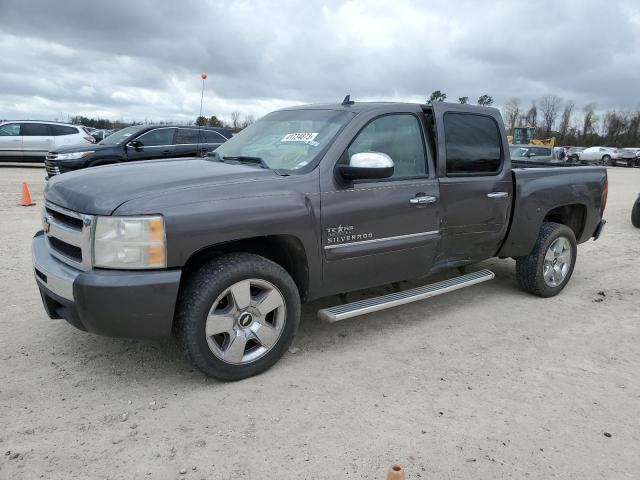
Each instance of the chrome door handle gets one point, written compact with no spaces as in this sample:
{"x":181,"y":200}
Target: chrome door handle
{"x":422,"y":200}
{"x":497,"y":195}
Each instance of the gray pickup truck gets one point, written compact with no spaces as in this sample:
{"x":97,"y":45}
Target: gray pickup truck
{"x":305,"y":203}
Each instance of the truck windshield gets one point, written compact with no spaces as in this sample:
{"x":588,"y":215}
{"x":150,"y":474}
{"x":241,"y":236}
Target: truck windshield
{"x":289,"y":140}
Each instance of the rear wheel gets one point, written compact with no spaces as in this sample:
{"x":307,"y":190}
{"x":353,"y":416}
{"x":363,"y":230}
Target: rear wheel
{"x":635,"y":213}
{"x":237,"y":315}
{"x":606,"y":160}
{"x":548,"y":268}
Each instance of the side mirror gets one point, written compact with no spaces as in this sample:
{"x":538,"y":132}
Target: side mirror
{"x":367,"y":165}
{"x":135,"y":144}
{"x":531,"y":154}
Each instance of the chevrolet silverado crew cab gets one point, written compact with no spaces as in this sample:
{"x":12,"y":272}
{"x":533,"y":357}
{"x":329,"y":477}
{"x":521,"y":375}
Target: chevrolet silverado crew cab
{"x":305,"y":203}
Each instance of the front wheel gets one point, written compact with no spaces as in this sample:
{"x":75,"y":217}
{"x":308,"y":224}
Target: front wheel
{"x":548,"y":268}
{"x":237,"y":315}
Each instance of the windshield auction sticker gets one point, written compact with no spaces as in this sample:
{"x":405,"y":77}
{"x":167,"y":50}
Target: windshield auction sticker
{"x":300,"y":137}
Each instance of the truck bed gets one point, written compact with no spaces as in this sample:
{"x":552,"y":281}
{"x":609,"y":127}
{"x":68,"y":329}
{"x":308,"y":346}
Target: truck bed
{"x":539,"y":189}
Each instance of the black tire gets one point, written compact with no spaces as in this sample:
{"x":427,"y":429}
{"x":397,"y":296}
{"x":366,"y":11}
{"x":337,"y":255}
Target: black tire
{"x":606,"y":160}
{"x":200,"y":291}
{"x":635,"y":213}
{"x":529,"y":269}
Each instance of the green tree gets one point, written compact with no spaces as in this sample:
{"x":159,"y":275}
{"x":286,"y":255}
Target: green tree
{"x":485,"y":100}
{"x":437,"y":96}
{"x":201,"y":121}
{"x":463,"y":100}
{"x":215,"y":122}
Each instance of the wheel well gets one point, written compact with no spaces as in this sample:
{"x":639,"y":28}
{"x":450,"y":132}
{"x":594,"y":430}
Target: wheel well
{"x":573,"y":216}
{"x":285,"y":250}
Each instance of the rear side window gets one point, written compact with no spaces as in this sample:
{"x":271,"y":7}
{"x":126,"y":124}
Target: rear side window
{"x":59,"y":130}
{"x":186,"y":136}
{"x":35,"y":130}
{"x":10,"y":130}
{"x":472,"y":144}
{"x":209,"y":136}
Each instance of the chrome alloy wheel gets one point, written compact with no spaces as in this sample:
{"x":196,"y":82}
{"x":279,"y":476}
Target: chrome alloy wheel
{"x":245,"y":321}
{"x":557,"y":262}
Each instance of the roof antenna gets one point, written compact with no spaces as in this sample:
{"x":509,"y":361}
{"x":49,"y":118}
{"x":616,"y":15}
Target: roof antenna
{"x":347,"y":100}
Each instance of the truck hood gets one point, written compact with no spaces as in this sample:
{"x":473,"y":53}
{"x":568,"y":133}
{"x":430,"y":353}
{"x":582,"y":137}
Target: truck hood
{"x":101,"y":190}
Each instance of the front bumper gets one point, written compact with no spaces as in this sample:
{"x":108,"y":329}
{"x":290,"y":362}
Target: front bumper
{"x":114,"y":303}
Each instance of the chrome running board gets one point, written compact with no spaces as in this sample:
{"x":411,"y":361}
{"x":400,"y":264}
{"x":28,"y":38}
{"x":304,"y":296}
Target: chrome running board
{"x":348,"y":310}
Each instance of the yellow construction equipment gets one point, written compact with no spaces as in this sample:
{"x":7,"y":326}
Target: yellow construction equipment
{"x":524,"y":136}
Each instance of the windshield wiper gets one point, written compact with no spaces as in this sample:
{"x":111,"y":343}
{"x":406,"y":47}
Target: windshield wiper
{"x":250,"y":160}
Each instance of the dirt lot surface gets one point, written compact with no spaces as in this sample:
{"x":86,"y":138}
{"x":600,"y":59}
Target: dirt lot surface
{"x":487,"y":382}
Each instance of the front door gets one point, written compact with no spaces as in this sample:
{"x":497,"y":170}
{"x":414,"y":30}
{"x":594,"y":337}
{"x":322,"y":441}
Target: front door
{"x":476,"y":187}
{"x":156,"y":143}
{"x":377,"y":232}
{"x":10,"y":142}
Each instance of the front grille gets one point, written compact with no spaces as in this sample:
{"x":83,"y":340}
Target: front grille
{"x":51,"y":165}
{"x":67,"y":220}
{"x":71,"y":251}
{"x":68,"y":235}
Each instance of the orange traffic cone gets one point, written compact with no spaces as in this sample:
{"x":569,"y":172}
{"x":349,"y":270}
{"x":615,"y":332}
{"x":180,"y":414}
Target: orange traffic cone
{"x":26,"y":196}
{"x":396,"y":473}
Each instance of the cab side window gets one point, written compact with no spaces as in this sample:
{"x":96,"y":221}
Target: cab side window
{"x":400,"y":137}
{"x":472,"y":145}
{"x":10,"y":130}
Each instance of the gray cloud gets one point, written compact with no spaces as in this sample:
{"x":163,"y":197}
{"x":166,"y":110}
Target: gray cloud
{"x":137,"y":60}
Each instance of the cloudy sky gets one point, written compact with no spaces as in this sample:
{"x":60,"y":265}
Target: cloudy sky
{"x":141,"y":59}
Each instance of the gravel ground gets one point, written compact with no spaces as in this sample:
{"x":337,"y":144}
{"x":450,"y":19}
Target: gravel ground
{"x":487,"y":382}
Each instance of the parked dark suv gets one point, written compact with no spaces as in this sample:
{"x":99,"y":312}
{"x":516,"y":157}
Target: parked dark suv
{"x":139,"y":142}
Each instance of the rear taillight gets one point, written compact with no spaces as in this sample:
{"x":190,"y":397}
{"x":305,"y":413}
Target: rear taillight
{"x":605,"y":194}
{"x":90,"y":139}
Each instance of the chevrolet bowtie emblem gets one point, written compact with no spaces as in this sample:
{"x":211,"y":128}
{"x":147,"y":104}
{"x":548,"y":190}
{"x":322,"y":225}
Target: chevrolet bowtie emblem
{"x":46,"y":223}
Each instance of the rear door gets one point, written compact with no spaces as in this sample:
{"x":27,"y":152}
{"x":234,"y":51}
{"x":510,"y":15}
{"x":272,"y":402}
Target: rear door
{"x":37,"y":139}
{"x":156,"y":143}
{"x":377,"y":232}
{"x":10,"y":142}
{"x":186,"y":142}
{"x":476,"y":188}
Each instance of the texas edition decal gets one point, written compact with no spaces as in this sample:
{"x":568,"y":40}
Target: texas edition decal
{"x":345,"y":234}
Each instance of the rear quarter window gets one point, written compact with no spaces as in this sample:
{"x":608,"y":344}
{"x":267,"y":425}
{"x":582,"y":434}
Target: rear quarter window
{"x":60,"y":130}
{"x":472,"y":145}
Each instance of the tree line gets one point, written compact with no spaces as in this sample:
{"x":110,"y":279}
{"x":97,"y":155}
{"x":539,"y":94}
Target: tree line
{"x":552,"y":116}
{"x":236,"y":122}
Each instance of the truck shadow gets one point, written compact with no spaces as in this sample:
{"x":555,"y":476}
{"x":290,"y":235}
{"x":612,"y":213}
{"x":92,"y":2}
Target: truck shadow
{"x":313,"y":332}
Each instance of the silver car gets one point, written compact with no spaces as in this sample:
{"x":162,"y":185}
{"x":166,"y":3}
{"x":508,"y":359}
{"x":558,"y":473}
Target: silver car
{"x":31,"y":140}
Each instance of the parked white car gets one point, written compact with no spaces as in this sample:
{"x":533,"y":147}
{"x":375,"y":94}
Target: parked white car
{"x":599,"y":155}
{"x":31,"y":140}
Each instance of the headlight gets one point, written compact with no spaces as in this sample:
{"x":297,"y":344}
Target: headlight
{"x":129,"y":242}
{"x":73,"y":156}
